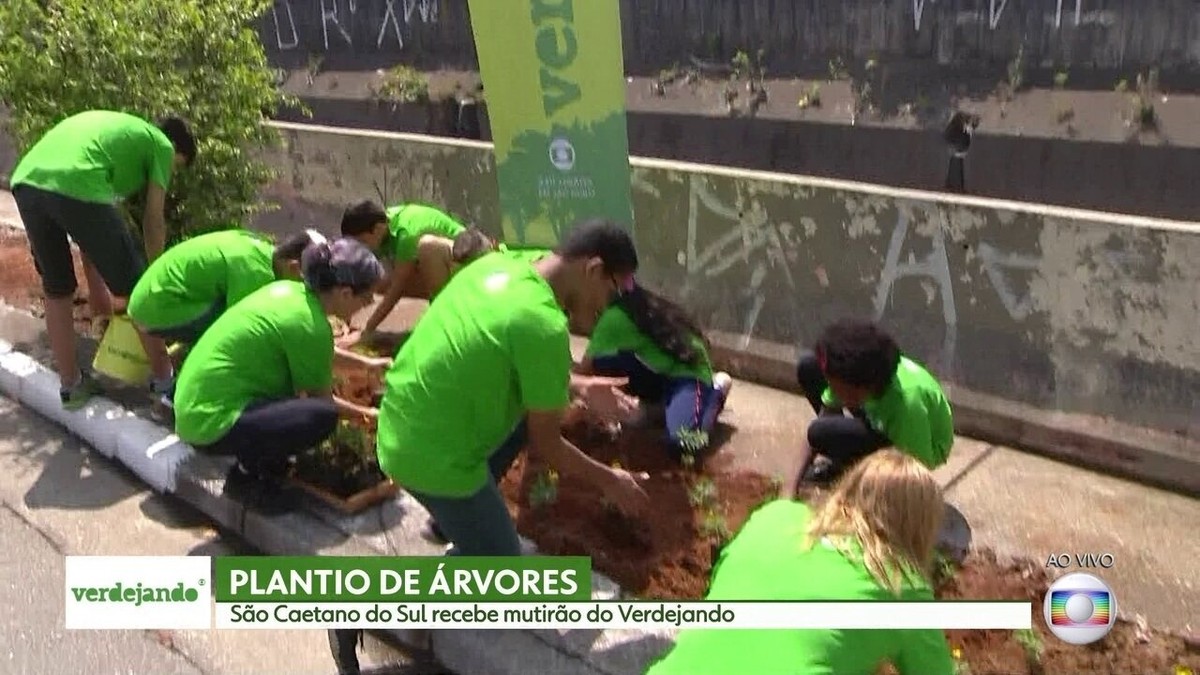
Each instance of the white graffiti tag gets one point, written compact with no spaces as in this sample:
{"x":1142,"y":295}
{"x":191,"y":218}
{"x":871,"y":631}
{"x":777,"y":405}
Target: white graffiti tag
{"x":936,"y":267}
{"x":995,"y":264}
{"x":294,"y":41}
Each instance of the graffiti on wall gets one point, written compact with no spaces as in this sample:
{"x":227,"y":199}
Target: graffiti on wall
{"x":348,"y":23}
{"x":993,"y":12}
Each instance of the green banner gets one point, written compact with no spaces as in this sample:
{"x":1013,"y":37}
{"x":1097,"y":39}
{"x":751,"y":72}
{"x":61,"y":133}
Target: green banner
{"x":405,"y":579}
{"x":554,"y":83}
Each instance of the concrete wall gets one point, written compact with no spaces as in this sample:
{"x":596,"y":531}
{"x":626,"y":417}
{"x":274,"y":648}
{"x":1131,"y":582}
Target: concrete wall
{"x":1069,"y":310}
{"x":1083,"y":33}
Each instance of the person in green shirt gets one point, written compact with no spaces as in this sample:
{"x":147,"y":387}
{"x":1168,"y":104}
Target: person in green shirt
{"x":868,"y":395}
{"x":66,"y":188}
{"x":258,"y":385}
{"x":416,"y":239}
{"x":487,"y":370}
{"x":192,"y":283}
{"x":473,"y":243}
{"x":655,"y":344}
{"x":873,"y":540}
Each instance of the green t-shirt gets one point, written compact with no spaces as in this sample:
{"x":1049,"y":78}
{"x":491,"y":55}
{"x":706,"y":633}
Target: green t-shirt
{"x":913,"y":413}
{"x":409,"y":222}
{"x":530,"y":255}
{"x":98,"y":156}
{"x":273,"y":344}
{"x":494,"y":346}
{"x":768,"y":560}
{"x":185,"y":281}
{"x":615,"y":332}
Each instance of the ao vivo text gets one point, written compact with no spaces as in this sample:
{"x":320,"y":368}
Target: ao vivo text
{"x":1081,"y":560}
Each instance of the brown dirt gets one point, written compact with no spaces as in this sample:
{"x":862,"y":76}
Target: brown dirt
{"x":664,"y":555}
{"x":21,"y":286}
{"x":1123,"y":652}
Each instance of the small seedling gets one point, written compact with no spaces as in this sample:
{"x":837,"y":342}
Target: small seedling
{"x":714,"y":526}
{"x":403,"y":84}
{"x":1031,"y":642}
{"x":741,"y":66}
{"x":811,"y":98}
{"x":1060,"y":79}
{"x":544,"y":489}
{"x":944,"y":568}
{"x":1144,"y":114}
{"x":693,"y":441}
{"x":688,"y":460}
{"x":837,"y":69}
{"x":703,"y":492}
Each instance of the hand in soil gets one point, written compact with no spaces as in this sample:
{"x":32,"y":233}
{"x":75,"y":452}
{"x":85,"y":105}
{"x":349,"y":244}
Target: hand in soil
{"x":626,"y":493}
{"x":605,"y":400}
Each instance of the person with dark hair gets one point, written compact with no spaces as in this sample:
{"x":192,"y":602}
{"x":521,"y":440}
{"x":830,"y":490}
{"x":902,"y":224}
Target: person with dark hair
{"x":653,"y":342}
{"x":66,"y":188}
{"x":868,"y":395}
{"x":258,"y":385}
{"x":415,"y":239}
{"x":487,"y":371}
{"x":474,"y":243}
{"x":184,"y":291}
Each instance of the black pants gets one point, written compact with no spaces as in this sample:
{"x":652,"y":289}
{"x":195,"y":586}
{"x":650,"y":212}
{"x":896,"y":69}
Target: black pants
{"x":840,"y":438}
{"x":99,"y":230}
{"x":269,"y":432}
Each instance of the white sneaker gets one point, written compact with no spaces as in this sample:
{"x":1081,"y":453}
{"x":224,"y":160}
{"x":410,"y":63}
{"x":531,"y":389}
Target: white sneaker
{"x":722,"y":382}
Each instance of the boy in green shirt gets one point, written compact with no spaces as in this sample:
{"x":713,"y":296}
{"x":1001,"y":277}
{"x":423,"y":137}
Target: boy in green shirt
{"x":487,"y":370}
{"x":868,"y":395}
{"x":192,"y":283}
{"x":67,"y":186}
{"x":259,"y":383}
{"x":873,"y":540}
{"x":416,"y":239}
{"x":653,"y":342}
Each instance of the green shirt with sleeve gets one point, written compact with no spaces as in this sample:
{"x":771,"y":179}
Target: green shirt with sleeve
{"x":407,"y":223}
{"x":274,"y":344}
{"x":615,"y":332}
{"x":768,"y":560}
{"x":912,"y":412}
{"x":190,"y":277}
{"x":494,"y":346}
{"x":98,"y":156}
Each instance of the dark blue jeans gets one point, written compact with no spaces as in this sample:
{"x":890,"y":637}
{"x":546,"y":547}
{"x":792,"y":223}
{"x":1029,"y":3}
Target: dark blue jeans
{"x":480,"y":524}
{"x":691,"y":406}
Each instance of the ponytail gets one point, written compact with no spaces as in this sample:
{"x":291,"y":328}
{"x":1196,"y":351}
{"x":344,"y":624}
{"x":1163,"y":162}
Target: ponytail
{"x":664,"y":322}
{"x":317,"y":266}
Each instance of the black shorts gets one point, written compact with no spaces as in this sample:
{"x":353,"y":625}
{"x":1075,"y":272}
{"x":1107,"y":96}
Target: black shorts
{"x":190,"y":332}
{"x":99,"y":230}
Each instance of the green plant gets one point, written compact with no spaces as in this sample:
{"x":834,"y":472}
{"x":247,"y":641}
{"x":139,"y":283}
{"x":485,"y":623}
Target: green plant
{"x":1144,"y":114}
{"x":837,"y":69}
{"x":1122,"y":86}
{"x":199,"y":59}
{"x":703,"y":492}
{"x":1031,"y":642}
{"x":315,"y":61}
{"x":1016,"y":73}
{"x":544,"y":489}
{"x":741,"y":66}
{"x":1060,"y":79}
{"x":811,"y":98}
{"x":349,"y":448}
{"x":944,"y":568}
{"x":714,"y":526}
{"x":403,"y":84}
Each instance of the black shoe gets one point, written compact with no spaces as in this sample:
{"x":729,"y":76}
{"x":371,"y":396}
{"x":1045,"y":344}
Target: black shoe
{"x":343,"y":645}
{"x":264,"y":494}
{"x":824,"y":473}
{"x":434,"y":534}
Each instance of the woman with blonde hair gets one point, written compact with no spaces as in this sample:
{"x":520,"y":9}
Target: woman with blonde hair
{"x":873,"y":539}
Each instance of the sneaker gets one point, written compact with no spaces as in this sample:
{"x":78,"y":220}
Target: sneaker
{"x":77,"y":395}
{"x":824,"y":472}
{"x":164,"y":390}
{"x":722,"y":382}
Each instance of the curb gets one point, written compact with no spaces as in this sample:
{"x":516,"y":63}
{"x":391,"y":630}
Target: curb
{"x":167,"y":464}
{"x":1148,"y":456}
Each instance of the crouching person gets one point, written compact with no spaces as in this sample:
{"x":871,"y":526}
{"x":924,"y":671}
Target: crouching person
{"x":873,"y":540}
{"x":655,"y":344}
{"x":868,"y":395}
{"x":259,"y":383}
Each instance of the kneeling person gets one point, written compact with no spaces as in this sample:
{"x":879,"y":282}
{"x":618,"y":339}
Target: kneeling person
{"x":868,"y":395}
{"x":259,"y":383}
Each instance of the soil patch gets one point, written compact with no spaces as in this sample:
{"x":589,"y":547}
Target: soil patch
{"x":1126,"y":650}
{"x":21,"y":286}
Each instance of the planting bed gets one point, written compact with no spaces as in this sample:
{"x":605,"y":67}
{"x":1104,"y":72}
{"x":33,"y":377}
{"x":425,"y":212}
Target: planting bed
{"x":20,"y":285}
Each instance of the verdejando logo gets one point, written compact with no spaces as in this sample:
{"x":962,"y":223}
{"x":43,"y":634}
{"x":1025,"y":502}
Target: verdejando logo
{"x":138,"y":594}
{"x":1080,"y":609}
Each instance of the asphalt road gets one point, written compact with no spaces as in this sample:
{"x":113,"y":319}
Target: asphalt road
{"x":57,"y":498}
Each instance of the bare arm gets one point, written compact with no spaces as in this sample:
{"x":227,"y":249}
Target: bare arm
{"x":584,"y":367}
{"x":342,"y":404}
{"x":154,"y":224}
{"x":401,"y":273}
{"x":547,"y":442}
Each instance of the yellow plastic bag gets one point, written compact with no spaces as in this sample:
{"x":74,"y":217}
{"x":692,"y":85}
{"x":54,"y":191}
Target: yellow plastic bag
{"x":121,"y":355}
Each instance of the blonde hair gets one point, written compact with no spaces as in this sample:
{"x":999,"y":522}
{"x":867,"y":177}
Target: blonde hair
{"x":892,"y":506}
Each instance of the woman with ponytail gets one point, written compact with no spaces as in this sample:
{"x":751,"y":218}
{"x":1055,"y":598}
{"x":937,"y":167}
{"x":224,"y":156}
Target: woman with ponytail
{"x":872,"y":541}
{"x":258,"y":385}
{"x":653,"y":342}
